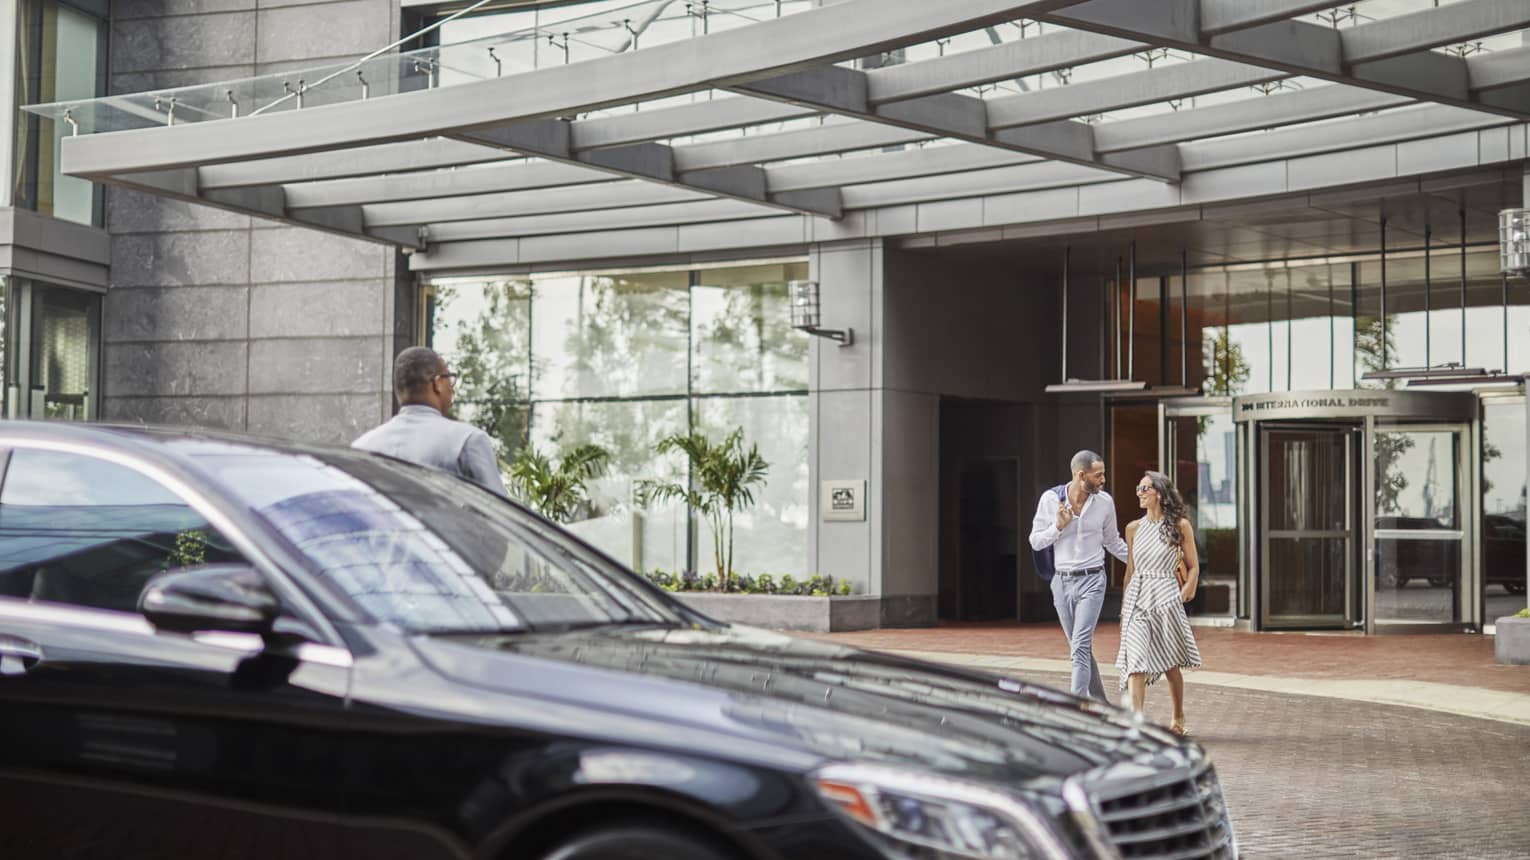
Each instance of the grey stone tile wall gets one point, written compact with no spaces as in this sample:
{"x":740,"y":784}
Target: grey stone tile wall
{"x":343,"y":28}
{"x":314,"y":418}
{"x":316,"y":309}
{"x":218,"y":413}
{"x":149,"y":314}
{"x":316,"y":365}
{"x":221,"y":320}
{"x":183,"y":42}
{"x":184,"y":369}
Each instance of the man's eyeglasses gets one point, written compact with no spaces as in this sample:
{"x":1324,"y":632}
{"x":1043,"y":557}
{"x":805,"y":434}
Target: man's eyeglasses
{"x":451,"y":375}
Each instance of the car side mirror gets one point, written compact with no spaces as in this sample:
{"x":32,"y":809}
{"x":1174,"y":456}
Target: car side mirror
{"x":227,"y":597}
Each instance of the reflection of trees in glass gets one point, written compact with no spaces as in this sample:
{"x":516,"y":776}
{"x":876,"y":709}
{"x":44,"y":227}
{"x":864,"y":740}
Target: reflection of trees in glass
{"x":1490,"y":452}
{"x":748,"y":343}
{"x":1374,"y":341}
{"x":491,"y":358}
{"x":608,"y":357}
{"x":1226,"y":368}
{"x":626,"y":331}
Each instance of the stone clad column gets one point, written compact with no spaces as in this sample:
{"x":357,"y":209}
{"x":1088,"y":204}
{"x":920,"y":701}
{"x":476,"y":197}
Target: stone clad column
{"x":221,"y":320}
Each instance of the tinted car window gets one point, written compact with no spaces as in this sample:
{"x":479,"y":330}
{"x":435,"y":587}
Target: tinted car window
{"x":83,"y":531}
{"x":425,"y":551}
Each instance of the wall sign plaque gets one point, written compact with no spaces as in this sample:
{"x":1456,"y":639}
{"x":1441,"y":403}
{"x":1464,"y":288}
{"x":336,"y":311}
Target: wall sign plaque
{"x":843,"y":501}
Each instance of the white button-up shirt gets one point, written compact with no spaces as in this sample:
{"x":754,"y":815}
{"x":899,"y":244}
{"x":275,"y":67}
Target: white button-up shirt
{"x":1083,"y":543}
{"x":422,"y":435}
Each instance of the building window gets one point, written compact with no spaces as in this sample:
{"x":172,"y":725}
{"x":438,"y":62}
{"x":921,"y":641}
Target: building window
{"x":1504,"y":575}
{"x":84,"y":532}
{"x":623,"y":359}
{"x":60,"y":55}
{"x":51,"y":339}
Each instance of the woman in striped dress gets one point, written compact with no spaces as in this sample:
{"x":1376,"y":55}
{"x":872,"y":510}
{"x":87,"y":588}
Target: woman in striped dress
{"x":1155,"y":634}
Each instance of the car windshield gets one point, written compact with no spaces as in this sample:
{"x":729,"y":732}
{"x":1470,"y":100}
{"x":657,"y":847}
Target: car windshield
{"x":428,"y":552}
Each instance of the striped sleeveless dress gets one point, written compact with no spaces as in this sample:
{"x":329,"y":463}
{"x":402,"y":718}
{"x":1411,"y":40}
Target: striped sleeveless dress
{"x":1155,"y":634}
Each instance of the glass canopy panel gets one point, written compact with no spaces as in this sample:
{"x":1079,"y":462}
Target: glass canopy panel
{"x":518,"y":42}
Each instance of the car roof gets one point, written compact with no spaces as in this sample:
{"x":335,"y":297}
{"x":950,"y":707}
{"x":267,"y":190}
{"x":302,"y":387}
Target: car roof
{"x":184,"y":449}
{"x":160,"y":442}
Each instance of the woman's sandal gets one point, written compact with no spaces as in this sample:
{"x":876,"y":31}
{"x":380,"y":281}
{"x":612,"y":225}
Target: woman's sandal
{"x":1177,"y":728}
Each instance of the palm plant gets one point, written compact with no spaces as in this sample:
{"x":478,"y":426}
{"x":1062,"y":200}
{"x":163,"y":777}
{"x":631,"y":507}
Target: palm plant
{"x":724,"y":476}
{"x":556,"y":490}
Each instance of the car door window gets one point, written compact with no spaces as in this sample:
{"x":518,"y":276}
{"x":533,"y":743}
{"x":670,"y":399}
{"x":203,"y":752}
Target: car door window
{"x":83,"y":531}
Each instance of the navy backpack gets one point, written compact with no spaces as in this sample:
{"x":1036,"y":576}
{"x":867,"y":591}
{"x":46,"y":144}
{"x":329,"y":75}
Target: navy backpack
{"x":1044,"y":566}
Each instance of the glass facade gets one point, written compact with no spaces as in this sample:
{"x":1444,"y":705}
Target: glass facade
{"x":60,"y":55}
{"x":1503,"y":507}
{"x":1325,"y":324}
{"x":50,"y":337}
{"x":1291,"y":326}
{"x":622,"y":360}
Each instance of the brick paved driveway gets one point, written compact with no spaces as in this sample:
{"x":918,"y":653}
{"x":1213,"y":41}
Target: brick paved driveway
{"x":1316,"y":777}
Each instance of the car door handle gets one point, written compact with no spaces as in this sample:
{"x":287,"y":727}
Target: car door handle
{"x":18,"y":656}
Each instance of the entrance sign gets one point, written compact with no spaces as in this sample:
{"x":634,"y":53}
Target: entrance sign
{"x":843,"y":501}
{"x":1378,"y":402}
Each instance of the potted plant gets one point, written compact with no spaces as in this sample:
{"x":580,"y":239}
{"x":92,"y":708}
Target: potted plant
{"x":723,"y":482}
{"x":556,"y":489}
{"x":815,"y":603}
{"x":1511,"y":642}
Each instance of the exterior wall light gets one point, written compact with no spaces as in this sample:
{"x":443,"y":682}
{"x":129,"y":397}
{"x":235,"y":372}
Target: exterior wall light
{"x":806,"y":314}
{"x":1514,"y":242}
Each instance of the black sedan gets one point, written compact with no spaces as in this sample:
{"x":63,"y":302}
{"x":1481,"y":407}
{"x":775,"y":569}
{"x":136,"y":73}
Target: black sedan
{"x":214,"y":647}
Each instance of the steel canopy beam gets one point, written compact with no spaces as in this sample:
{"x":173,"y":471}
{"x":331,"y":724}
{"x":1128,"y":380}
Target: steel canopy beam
{"x":1350,"y":135}
{"x":424,"y":185}
{"x":1390,"y":55}
{"x":1047,"y":52}
{"x":677,"y":121}
{"x":1178,"y":81}
{"x":847,"y":91}
{"x":655,"y":162}
{"x":1263,"y":112}
{"x":268,"y":202}
{"x":355,"y":161}
{"x":824,"y":35}
{"x":1221,"y":17}
{"x":544,"y":201}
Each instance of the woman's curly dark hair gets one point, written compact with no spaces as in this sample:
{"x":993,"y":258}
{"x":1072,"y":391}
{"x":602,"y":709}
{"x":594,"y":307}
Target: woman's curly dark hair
{"x":1173,"y":507}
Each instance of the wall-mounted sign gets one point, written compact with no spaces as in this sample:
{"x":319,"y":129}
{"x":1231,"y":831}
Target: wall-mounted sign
{"x":843,"y":501}
{"x":1380,"y":402}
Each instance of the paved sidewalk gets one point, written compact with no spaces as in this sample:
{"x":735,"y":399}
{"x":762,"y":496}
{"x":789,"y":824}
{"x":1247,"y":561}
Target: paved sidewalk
{"x":1327,"y":745}
{"x":1310,"y":777}
{"x":1448,"y":673}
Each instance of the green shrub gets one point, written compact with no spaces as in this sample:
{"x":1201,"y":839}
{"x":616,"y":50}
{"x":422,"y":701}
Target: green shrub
{"x":741,"y":583}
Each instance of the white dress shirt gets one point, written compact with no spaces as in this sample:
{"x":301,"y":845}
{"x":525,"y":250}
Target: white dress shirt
{"x":1083,"y":542}
{"x":422,"y":435}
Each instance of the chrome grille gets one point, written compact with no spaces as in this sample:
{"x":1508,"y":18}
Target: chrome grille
{"x":1178,"y":814}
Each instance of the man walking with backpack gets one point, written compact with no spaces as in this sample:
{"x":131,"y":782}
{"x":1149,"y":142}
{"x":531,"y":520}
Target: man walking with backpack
{"x":1075,"y":526}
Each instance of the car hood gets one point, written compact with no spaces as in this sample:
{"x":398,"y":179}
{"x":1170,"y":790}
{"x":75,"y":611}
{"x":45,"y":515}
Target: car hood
{"x":827,"y":701}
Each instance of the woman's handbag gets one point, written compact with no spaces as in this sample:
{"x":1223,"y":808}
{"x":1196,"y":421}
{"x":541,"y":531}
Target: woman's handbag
{"x":1182,"y":574}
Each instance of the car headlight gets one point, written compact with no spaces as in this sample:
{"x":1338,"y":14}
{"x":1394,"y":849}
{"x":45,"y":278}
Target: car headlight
{"x":958,"y":819}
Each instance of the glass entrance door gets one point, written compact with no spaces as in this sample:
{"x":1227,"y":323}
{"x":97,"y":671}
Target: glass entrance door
{"x":1200,"y":453}
{"x":1308,"y":513}
{"x":1422,"y":546}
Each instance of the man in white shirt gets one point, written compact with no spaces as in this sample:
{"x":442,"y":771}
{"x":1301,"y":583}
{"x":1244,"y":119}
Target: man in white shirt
{"x":1080,"y":529}
{"x":421,"y":433}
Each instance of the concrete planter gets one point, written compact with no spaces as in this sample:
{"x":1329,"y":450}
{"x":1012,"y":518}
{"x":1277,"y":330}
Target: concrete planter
{"x":789,"y":612}
{"x":1511,"y":642}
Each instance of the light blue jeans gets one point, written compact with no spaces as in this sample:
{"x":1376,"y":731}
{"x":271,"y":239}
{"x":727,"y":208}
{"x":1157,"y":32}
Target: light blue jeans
{"x":1078,"y":600}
